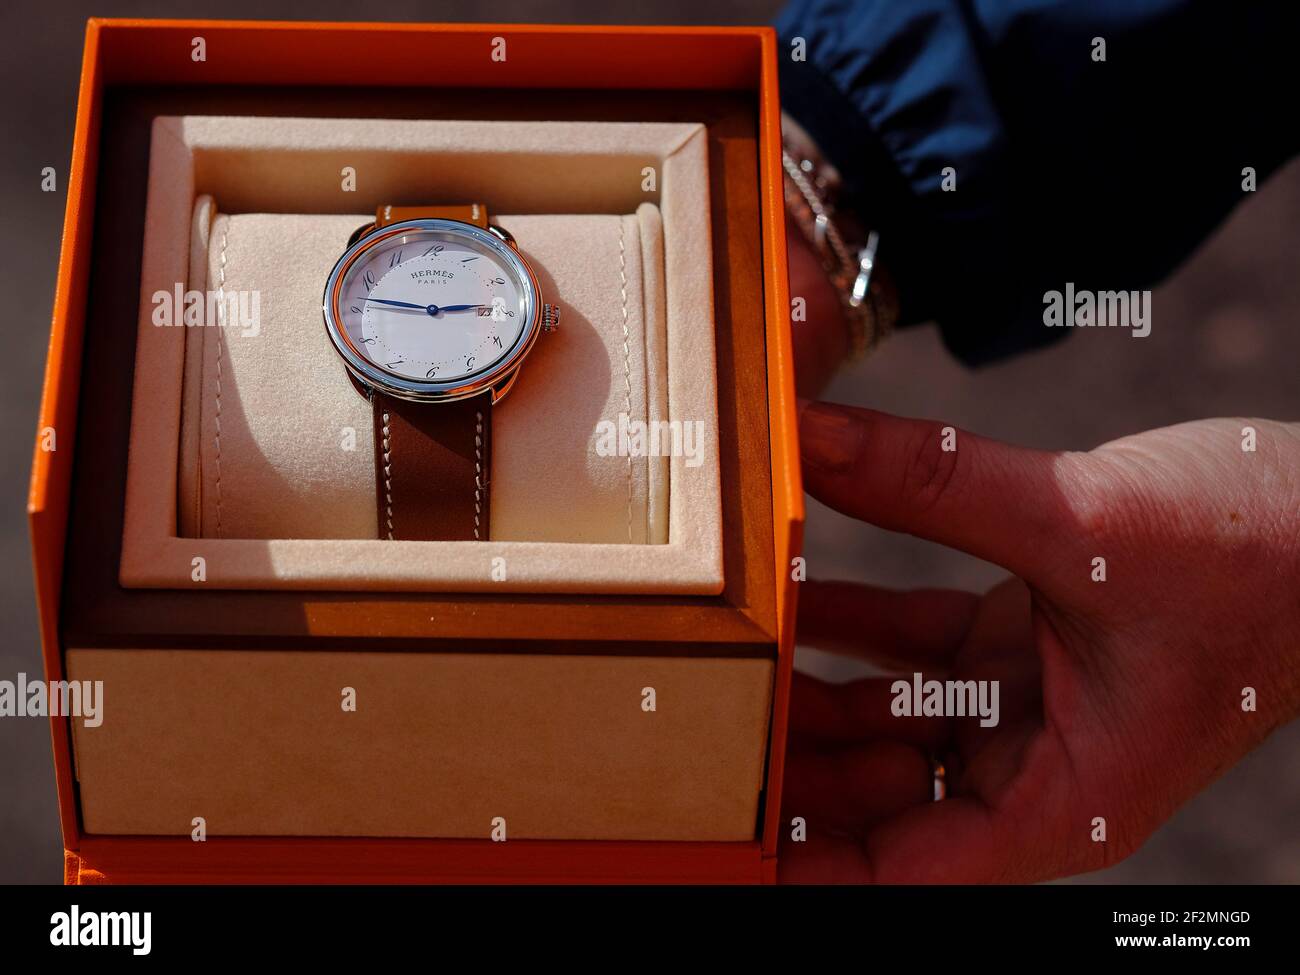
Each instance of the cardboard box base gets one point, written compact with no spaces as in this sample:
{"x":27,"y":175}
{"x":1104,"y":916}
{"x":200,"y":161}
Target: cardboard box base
{"x":466,"y":745}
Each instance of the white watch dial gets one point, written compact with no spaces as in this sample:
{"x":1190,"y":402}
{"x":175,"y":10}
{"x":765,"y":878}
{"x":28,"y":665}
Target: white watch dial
{"x":432,"y":305}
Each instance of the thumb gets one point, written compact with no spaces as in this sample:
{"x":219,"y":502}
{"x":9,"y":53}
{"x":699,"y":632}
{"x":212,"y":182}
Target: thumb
{"x":1008,"y":505}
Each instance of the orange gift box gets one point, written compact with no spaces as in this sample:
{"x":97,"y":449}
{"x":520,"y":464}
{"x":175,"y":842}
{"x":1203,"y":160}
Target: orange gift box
{"x":756,"y":608}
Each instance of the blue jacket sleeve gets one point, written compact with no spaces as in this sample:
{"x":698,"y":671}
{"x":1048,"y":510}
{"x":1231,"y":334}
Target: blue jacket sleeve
{"x":1067,"y":168}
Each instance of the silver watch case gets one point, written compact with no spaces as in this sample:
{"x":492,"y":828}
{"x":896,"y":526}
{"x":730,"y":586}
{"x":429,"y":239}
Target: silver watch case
{"x":497,"y":378}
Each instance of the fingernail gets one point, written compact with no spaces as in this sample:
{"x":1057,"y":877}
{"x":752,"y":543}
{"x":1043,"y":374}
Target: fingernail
{"x":827,"y":437}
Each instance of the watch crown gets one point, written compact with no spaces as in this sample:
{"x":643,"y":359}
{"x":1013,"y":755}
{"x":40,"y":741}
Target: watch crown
{"x":504,"y":234}
{"x":550,"y":318}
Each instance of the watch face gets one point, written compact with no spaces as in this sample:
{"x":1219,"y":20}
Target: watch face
{"x":431,"y":308}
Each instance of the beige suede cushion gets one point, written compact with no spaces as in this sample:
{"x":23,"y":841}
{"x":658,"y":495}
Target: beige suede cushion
{"x":277,"y":443}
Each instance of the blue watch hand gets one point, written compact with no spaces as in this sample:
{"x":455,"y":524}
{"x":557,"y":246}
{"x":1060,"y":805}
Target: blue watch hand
{"x":399,"y":304}
{"x":427,"y":309}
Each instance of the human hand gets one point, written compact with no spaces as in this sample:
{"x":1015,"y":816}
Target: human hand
{"x":1119,"y":700}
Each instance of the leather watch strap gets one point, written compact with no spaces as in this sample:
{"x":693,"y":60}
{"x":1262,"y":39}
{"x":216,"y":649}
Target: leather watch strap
{"x":431,"y":468}
{"x":432,"y":459}
{"x":474,"y":213}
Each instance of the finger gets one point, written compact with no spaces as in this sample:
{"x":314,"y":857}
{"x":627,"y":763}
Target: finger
{"x":1030,"y":829}
{"x":940,"y":842}
{"x":1002,"y":503}
{"x":823,"y":858}
{"x":823,"y":714}
{"x":895,"y":629}
{"x":851,"y":789}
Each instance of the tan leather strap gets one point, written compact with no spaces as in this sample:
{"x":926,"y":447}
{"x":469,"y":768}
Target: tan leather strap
{"x":432,"y":459}
{"x":431,"y":468}
{"x":475,"y":213}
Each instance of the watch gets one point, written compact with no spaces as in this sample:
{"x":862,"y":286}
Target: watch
{"x":433,"y":310}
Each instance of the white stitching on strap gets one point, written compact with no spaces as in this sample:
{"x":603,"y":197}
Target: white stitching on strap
{"x":388,"y":477}
{"x":478,"y":470}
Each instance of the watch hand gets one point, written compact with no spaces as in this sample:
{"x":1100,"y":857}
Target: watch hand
{"x":427,"y":309}
{"x":399,"y":304}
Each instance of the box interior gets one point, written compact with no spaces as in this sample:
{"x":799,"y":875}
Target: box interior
{"x":98,"y":611}
{"x":246,"y":159}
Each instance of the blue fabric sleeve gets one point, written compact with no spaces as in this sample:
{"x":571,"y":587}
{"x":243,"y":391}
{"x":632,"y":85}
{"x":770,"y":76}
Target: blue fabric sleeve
{"x":1103,"y":173}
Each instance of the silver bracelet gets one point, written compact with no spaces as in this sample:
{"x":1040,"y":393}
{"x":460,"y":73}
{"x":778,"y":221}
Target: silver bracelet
{"x":809,"y":187}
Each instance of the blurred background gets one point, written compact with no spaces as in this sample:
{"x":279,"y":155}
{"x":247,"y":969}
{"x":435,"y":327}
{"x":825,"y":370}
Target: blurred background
{"x":1225,"y":341}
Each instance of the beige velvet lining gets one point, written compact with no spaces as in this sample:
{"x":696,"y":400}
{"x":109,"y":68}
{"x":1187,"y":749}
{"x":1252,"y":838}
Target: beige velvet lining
{"x":276,"y":167}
